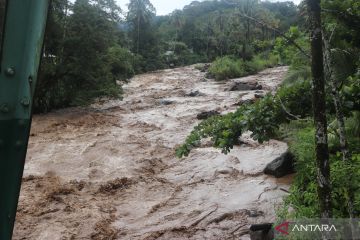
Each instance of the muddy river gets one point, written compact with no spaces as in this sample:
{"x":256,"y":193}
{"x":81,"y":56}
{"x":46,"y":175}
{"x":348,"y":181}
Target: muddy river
{"x":109,"y":171}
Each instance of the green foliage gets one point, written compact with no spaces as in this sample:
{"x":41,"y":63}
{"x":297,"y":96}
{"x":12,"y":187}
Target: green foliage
{"x":144,"y":35}
{"x":262,"y":61}
{"x":86,"y":66}
{"x":288,"y":53}
{"x":229,"y":67}
{"x":297,"y":98}
{"x":261,"y":46}
{"x":299,"y":74}
{"x":352,"y":131}
{"x":263,"y":119}
{"x":351,"y":93}
{"x":215,"y":28}
{"x":90,"y":44}
{"x":303,"y":196}
{"x":274,"y":115}
{"x":140,"y":16}
{"x":122,"y":62}
{"x":286,"y":12}
{"x":82,"y":59}
{"x":344,"y":175}
{"x":346,"y":16}
{"x":340,"y":20}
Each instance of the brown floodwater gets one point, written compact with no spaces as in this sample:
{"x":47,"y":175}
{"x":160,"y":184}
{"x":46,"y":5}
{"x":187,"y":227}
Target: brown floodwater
{"x":109,"y":171}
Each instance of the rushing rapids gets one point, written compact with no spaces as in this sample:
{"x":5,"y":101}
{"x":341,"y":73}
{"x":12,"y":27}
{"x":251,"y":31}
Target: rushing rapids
{"x":109,"y":171}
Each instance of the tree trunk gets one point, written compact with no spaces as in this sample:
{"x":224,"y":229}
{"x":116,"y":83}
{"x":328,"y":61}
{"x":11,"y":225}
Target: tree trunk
{"x":319,"y":106}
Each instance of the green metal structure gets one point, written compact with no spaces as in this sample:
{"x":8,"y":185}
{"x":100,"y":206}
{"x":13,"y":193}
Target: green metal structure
{"x":22,"y":31}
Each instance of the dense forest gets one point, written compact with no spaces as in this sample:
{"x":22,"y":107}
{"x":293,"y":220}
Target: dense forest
{"x":93,"y":47}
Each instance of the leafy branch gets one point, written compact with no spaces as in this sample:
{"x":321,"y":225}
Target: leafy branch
{"x":262,"y":118}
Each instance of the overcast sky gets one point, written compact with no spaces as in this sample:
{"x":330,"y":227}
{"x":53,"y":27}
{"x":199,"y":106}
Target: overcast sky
{"x":164,"y":7}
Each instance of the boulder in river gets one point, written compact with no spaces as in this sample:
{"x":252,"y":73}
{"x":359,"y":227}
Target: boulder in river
{"x":261,"y":231}
{"x":166,"y":102}
{"x":244,"y":86}
{"x":195,"y":93}
{"x":207,"y":114}
{"x":281,"y":166}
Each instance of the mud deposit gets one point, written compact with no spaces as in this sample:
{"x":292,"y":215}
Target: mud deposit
{"x":109,"y":171}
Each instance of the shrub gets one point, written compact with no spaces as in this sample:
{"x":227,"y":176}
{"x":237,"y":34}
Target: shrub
{"x":226,"y":68}
{"x":297,"y":98}
{"x":121,"y":62}
{"x":265,"y":60}
{"x":229,"y":67}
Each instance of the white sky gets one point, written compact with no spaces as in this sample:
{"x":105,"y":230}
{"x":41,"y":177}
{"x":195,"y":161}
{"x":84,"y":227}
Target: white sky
{"x":164,"y":7}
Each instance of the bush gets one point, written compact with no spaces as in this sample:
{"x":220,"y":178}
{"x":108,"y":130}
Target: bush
{"x":260,"y":62}
{"x":297,"y":98}
{"x":229,"y":67}
{"x":121,"y":62}
{"x":226,"y":68}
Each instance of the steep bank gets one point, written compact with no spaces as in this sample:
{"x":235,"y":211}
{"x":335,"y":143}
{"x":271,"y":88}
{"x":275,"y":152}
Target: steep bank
{"x":109,"y":171}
